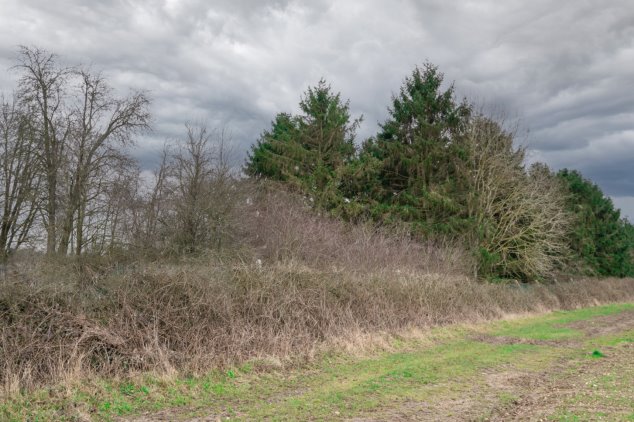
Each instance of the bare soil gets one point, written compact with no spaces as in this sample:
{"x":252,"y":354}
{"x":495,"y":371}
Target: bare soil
{"x":605,"y":325}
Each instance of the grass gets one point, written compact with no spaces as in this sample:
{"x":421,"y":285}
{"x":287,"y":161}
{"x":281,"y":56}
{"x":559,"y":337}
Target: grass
{"x":335,"y":387}
{"x":552,"y":326}
{"x":613,"y":391}
{"x":339,"y":385}
{"x":611,"y":387}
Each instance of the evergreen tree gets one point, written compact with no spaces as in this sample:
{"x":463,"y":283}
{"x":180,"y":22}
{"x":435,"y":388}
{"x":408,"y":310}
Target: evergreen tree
{"x":420,"y":149}
{"x":308,"y":150}
{"x":277,"y":153}
{"x":601,"y":239}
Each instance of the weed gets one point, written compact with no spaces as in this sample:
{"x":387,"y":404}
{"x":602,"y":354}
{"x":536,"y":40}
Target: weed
{"x":127,"y":389}
{"x":597,"y":354}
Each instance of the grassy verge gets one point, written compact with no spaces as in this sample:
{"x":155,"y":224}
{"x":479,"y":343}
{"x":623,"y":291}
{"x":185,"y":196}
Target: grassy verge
{"x":415,"y":373}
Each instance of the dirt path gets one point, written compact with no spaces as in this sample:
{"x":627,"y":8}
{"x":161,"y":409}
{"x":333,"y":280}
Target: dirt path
{"x":547,"y":371}
{"x":590,"y":389}
{"x":576,"y":388}
{"x":580,"y":388}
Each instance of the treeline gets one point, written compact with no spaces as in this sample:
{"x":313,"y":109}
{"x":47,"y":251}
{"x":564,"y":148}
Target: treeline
{"x":64,"y":172}
{"x":437,"y":168}
{"x":68,"y":184}
{"x":444,"y":169}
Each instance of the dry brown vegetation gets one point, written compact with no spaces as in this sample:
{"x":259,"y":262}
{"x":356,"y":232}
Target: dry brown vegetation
{"x":520,"y":215}
{"x":299,"y":282}
{"x":281,"y":227}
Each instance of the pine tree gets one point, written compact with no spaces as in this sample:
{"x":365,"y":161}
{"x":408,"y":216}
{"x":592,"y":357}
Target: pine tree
{"x":420,"y":149}
{"x":601,"y":239}
{"x":277,"y":153}
{"x":309,"y":149}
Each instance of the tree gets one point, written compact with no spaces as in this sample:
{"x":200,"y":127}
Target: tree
{"x":42,"y":88}
{"x":79,"y":128}
{"x":307,"y":150}
{"x":277,"y":153}
{"x":193,"y":170}
{"x":419,"y":148}
{"x":191,"y":207}
{"x":19,"y":178}
{"x":519,"y":217}
{"x":600,"y":238}
{"x":109,"y":199}
{"x":100,"y":124}
{"x":153,"y":208}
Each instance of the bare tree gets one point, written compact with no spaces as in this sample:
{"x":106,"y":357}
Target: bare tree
{"x":81,"y":129}
{"x":191,"y":206}
{"x":19,"y":178}
{"x":193,"y":169}
{"x":151,"y":215}
{"x":101,"y":125}
{"x":520,"y":216}
{"x":122,"y":203}
{"x":42,"y":87}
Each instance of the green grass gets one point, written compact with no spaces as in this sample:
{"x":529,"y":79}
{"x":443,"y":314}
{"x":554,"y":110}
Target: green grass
{"x":551,"y":326}
{"x":347,"y":389}
{"x":337,"y":386}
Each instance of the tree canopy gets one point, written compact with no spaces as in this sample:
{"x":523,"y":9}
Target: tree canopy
{"x":444,"y":170}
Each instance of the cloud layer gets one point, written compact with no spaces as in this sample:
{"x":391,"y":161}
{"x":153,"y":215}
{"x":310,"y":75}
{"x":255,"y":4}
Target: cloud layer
{"x":565,"y":68}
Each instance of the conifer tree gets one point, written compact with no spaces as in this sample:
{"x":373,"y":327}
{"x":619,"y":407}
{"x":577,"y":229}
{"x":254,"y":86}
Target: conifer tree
{"x":420,"y":149}
{"x":277,"y":152}
{"x":308,"y":150}
{"x":601,"y":238}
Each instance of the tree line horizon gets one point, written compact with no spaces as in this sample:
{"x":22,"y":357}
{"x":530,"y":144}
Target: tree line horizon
{"x":437,"y":166}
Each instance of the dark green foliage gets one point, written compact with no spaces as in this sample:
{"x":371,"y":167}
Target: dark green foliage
{"x":276,"y":153}
{"x":600,"y":238}
{"x":420,"y":150}
{"x":310,"y":149}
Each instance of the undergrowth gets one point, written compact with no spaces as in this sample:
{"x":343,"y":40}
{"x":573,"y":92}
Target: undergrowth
{"x":191,"y":318}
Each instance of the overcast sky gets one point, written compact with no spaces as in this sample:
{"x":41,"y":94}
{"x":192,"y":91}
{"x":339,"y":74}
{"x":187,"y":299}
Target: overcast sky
{"x":565,"y":69}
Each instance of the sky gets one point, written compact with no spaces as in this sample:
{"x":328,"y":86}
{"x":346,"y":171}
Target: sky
{"x":563,"y":71}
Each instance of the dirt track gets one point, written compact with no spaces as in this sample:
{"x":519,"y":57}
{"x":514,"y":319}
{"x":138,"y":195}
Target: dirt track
{"x":573,"y":386}
{"x":576,"y":385}
{"x":569,"y":386}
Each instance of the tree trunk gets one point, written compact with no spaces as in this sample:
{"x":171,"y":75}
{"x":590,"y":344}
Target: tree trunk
{"x":67,"y":230}
{"x":51,"y":210}
{"x":80,"y":229}
{"x":4,"y":253}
